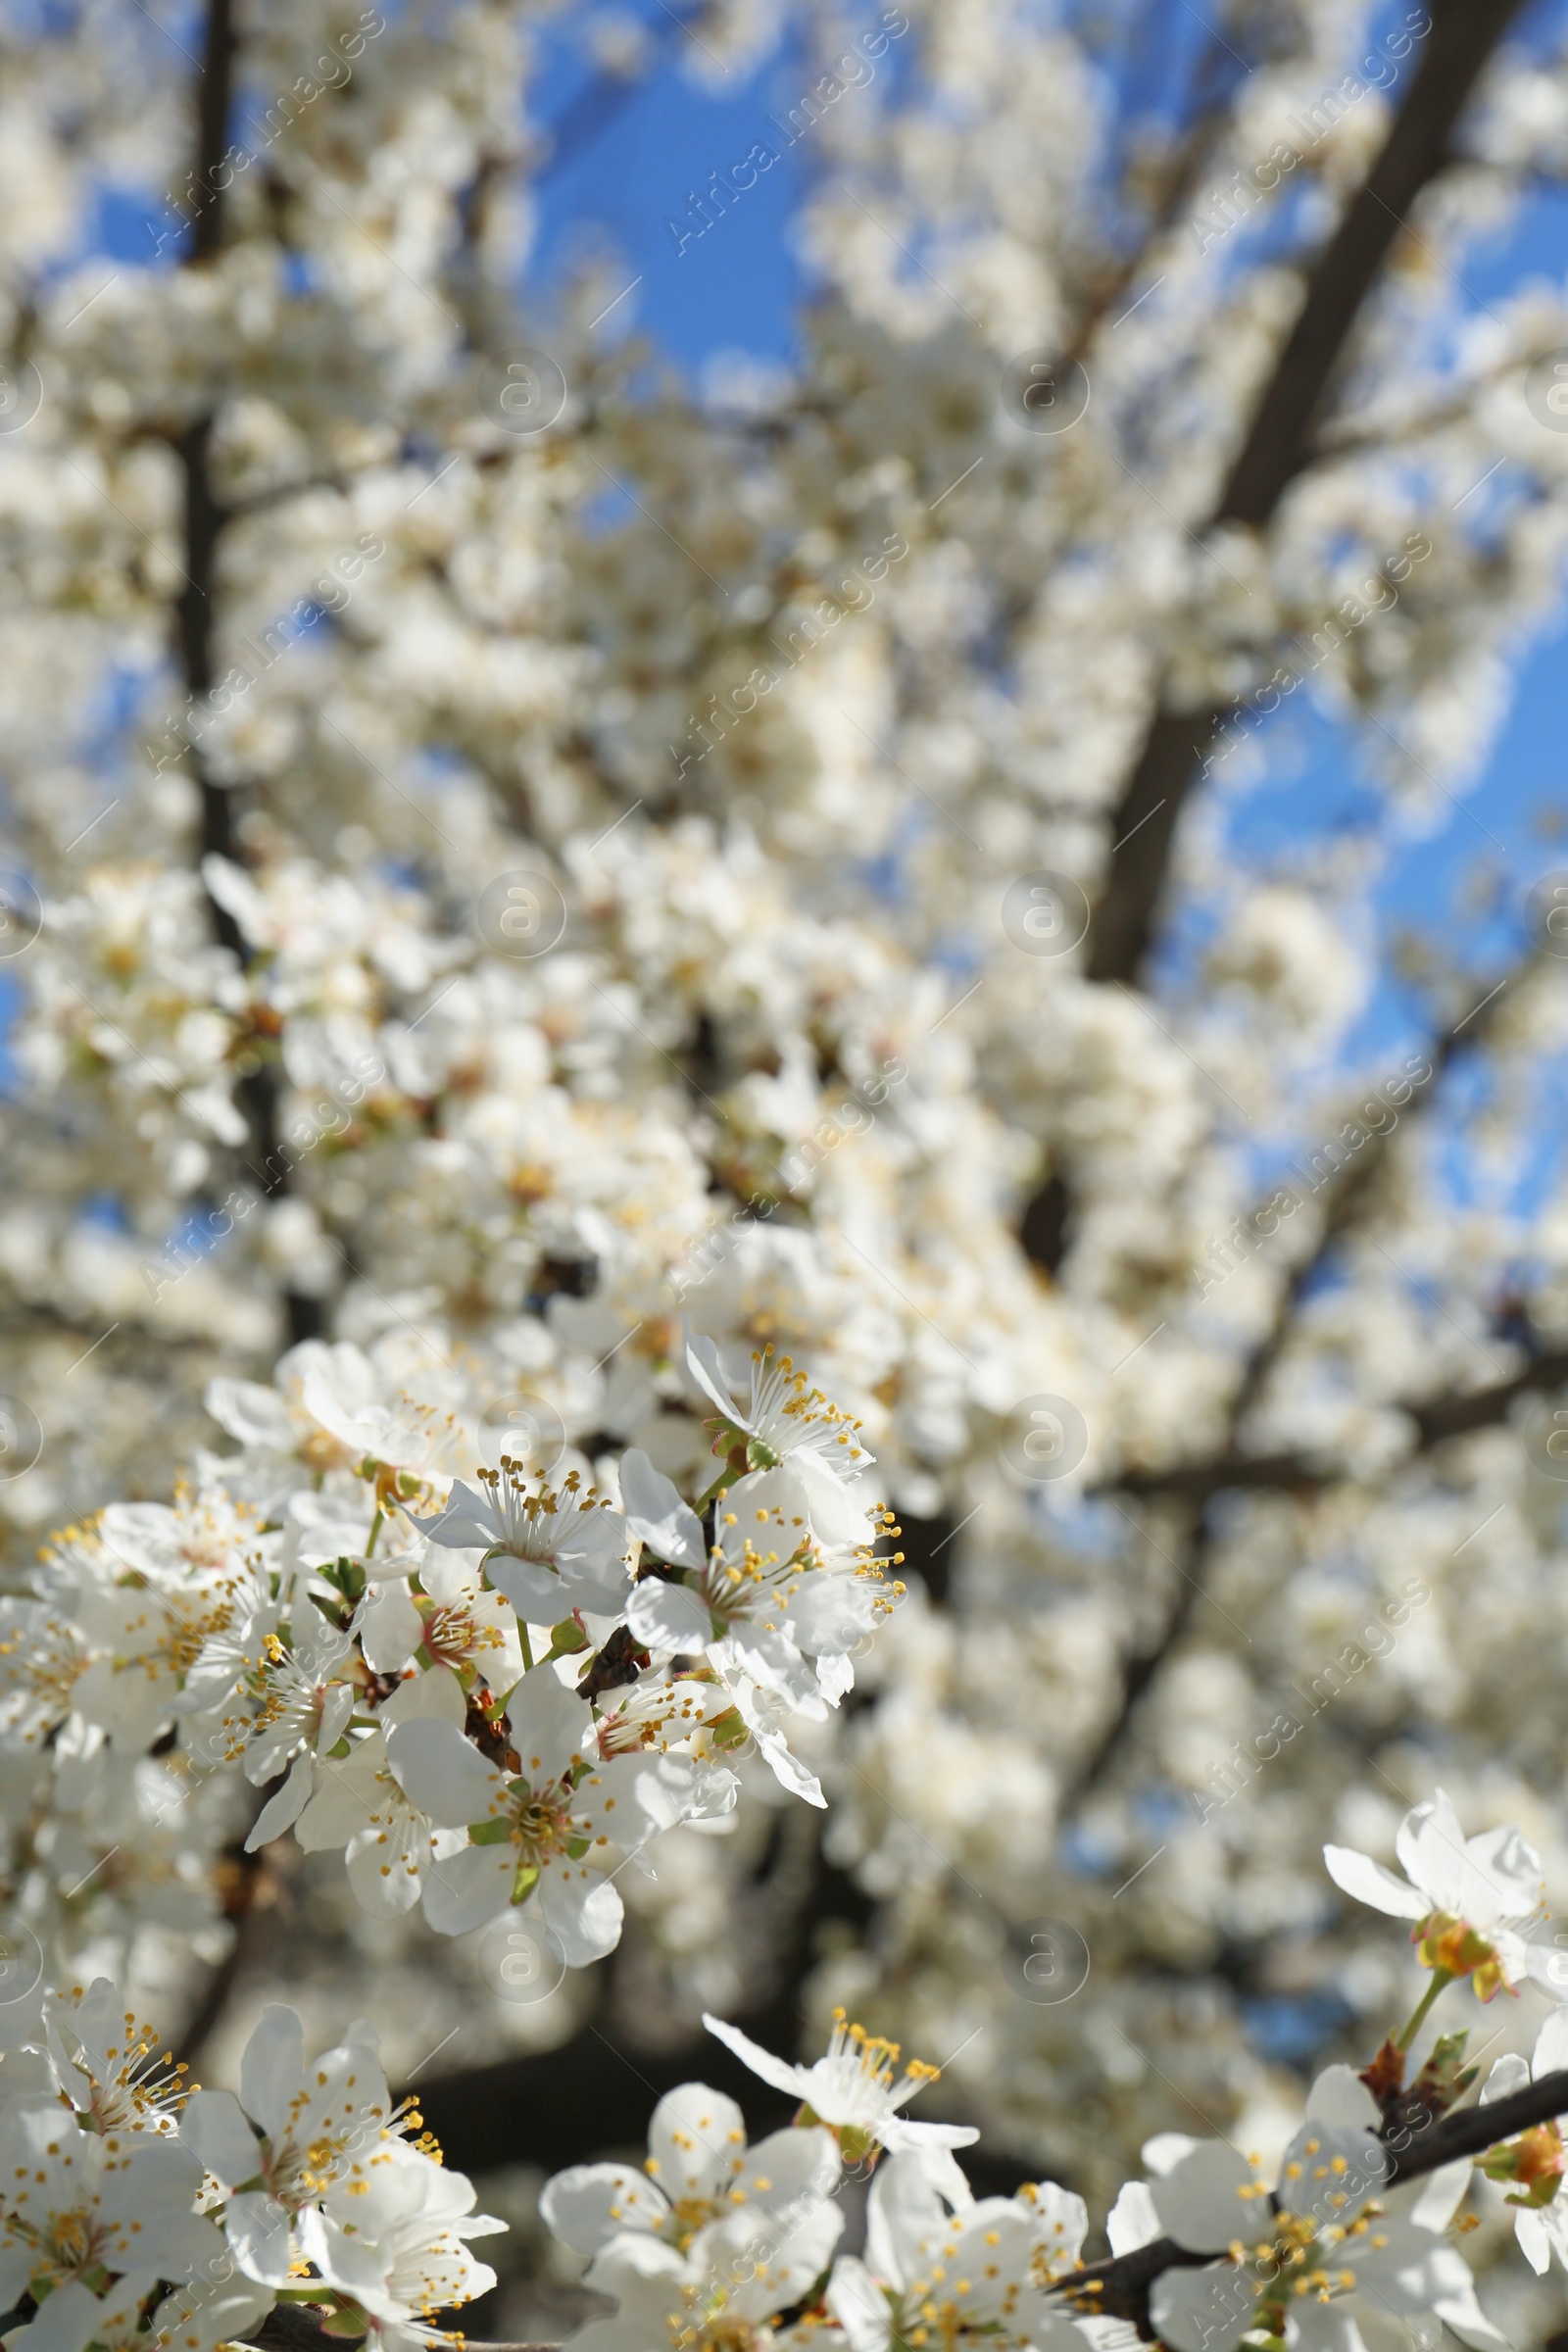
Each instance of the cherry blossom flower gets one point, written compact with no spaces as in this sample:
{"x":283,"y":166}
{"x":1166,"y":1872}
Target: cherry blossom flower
{"x":107,"y":2067}
{"x":969,"y":2276}
{"x":318,"y":2125}
{"x":542,"y":1828}
{"x":1468,"y":1896}
{"x":719,"y":2293}
{"x":191,"y":2319}
{"x":549,"y":1554}
{"x":852,"y":2090}
{"x":762,"y":1599}
{"x":786,"y":1421}
{"x":77,"y":2203}
{"x":1314,"y":2257}
{"x":1533,"y":2163}
{"x":393,"y":2240}
{"x":699,"y":2170}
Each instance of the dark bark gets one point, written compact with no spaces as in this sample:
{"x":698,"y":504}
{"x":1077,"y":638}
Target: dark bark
{"x":1044,"y":1231}
{"x":294,"y":2327}
{"x":1142,"y":838}
{"x":1279,"y":444}
{"x":204,"y":518}
{"x":1435,"y":1422}
{"x":1352,"y":1188}
{"x":215,"y":96}
{"x":1124,"y":2283}
{"x":1464,"y":37}
{"x":1120,"y":2285}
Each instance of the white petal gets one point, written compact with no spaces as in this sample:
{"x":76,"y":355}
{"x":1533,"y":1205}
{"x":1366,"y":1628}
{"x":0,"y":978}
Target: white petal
{"x":442,"y":1773}
{"x":337,"y":1709}
{"x":836,"y":1516}
{"x":1431,"y":2202}
{"x":668,"y":1619}
{"x":1431,"y":1845}
{"x":1535,"y":2240}
{"x":656,"y":1514}
{"x":1338,"y":2096}
{"x":255,"y":1415}
{"x":1313,"y":2327}
{"x":390,"y":1627}
{"x":551,"y":1726}
{"x":1459,"y":2309}
{"x":213,"y":2126}
{"x":1201,"y":2202}
{"x":468,"y":1524}
{"x":73,"y":2317}
{"x":258,"y":2231}
{"x":1370,"y":1882}
{"x":1202,"y":2311}
{"x":1502,"y":1878}
{"x":785,"y":1766}
{"x":342,"y":1802}
{"x":1165,"y":2152}
{"x":795,"y":2081}
{"x":859,"y":2306}
{"x":386,"y":1863}
{"x":272,"y":2067}
{"x":534,"y":1590}
{"x":592,"y":2203}
{"x":1511,"y":2074}
{"x":898,"y":2135}
{"x":282,"y":1811}
{"x":788,"y":2168}
{"x":1551,"y":2045}
{"x":463,"y":1890}
{"x":1308,"y":2182}
{"x":696,"y":2142}
{"x":772,"y":1661}
{"x":702,"y":1361}
{"x":436,"y":1693}
{"x":1132,"y":2220}
{"x":831,"y":1613}
{"x":582,"y":1913}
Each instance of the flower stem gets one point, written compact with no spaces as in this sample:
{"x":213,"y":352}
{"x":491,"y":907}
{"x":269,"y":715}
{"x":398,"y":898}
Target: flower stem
{"x":1417,"y":2017}
{"x":528,"y":1645}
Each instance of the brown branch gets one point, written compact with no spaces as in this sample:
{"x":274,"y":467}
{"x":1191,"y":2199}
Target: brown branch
{"x":1120,"y":2285}
{"x":295,"y":2328}
{"x":1125,"y":2279}
{"x":196,"y":609}
{"x":1436,"y":1421}
{"x":213,"y":99}
{"x":1464,"y":37}
{"x":204,"y":517}
{"x":1352,"y":1186}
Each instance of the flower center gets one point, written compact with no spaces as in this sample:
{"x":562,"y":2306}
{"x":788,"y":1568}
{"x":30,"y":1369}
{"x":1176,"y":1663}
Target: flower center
{"x":542,"y":1823}
{"x":452,"y":1635}
{"x":71,"y":2240}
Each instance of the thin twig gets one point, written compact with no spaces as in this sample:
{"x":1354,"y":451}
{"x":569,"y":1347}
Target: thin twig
{"x":1123,"y":2282}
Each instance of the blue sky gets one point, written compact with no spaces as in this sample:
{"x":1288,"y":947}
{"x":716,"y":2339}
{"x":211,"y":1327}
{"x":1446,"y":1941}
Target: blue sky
{"x":618,"y":179}
{"x":626,"y":160}
{"x":1461,"y":873}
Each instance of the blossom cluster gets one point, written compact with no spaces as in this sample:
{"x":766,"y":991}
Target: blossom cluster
{"x":485,"y":1695}
{"x":277,"y":1074}
{"x":721,"y":2244}
{"x":142,"y":2214}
